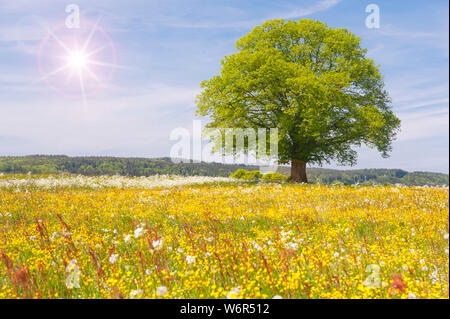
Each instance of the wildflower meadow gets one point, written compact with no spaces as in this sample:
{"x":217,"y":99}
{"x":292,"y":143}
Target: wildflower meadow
{"x":161,"y":237}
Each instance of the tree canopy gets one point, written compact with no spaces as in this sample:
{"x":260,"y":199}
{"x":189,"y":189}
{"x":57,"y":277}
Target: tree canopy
{"x":312,"y":82}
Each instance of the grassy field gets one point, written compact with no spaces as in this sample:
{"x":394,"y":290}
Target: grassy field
{"x":79,"y":237}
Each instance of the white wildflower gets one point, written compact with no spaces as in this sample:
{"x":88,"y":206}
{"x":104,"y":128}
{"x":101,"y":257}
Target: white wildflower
{"x":113,"y":258}
{"x":136,"y":293}
{"x":161,"y":291}
{"x":138,"y":232}
{"x":66,"y":233}
{"x":190,"y":259}
{"x":434,"y":277}
{"x":101,"y":182}
{"x":291,"y":246}
{"x":157,"y":244}
{"x":373,"y":280}
{"x":73,"y":277}
{"x":233,"y":294}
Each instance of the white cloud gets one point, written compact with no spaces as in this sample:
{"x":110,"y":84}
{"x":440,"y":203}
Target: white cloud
{"x":293,"y":13}
{"x":423,"y":103}
{"x":409,"y":94}
{"x":135,"y":124}
{"x":318,"y":7}
{"x":424,"y":124}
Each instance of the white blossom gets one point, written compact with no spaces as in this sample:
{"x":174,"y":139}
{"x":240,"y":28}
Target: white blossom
{"x":138,"y":232}
{"x":136,"y":293}
{"x":161,"y":291}
{"x":101,"y":182}
{"x":232,"y":294}
{"x":113,"y":258}
{"x":73,"y":277}
{"x":157,"y":244}
{"x":190,"y":259}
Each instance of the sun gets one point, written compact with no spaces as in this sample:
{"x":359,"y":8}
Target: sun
{"x":77,"y":60}
{"x":77,"y":63}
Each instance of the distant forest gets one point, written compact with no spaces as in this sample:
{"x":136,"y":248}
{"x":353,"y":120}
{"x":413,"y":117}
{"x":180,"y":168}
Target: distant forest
{"x":43,"y":164}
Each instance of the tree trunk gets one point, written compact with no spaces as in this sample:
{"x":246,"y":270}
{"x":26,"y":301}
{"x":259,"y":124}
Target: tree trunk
{"x":298,"y":171}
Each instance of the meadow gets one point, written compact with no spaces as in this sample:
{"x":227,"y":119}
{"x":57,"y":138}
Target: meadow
{"x":175,"y":237}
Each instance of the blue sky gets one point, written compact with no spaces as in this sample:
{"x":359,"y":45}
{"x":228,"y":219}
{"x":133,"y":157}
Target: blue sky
{"x":166,"y":48}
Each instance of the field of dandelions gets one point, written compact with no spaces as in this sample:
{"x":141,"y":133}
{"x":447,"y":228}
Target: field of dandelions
{"x":203,"y":237}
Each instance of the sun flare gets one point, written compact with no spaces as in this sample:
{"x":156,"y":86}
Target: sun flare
{"x":77,"y":63}
{"x":77,"y":60}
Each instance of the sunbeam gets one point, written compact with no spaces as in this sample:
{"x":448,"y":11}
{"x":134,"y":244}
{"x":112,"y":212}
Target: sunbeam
{"x":93,"y":61}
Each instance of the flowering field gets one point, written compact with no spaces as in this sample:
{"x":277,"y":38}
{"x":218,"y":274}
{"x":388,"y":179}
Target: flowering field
{"x":45,"y":182}
{"x":221,"y":241}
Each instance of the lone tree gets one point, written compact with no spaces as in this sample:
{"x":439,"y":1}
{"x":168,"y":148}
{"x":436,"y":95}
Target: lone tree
{"x":312,"y":82}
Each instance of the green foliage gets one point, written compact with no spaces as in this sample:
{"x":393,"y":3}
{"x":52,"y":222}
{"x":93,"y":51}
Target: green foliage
{"x":246,"y":175}
{"x":110,"y":166}
{"x":238,"y":174}
{"x":256,"y":175}
{"x":274,"y":177}
{"x":373,"y":177}
{"x":312,"y":82}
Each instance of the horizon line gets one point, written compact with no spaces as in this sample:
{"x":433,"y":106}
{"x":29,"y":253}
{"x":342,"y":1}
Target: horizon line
{"x":191,"y":160}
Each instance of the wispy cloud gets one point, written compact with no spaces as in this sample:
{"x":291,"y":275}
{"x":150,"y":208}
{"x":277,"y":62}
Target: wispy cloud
{"x":424,"y":124}
{"x":424,"y":103}
{"x":407,"y":97}
{"x":296,"y":12}
{"x":303,"y":12}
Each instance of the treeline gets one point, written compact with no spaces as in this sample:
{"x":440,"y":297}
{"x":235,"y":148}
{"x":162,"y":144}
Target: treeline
{"x":40,"y":164}
{"x":43,"y":164}
{"x":374,"y":176}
